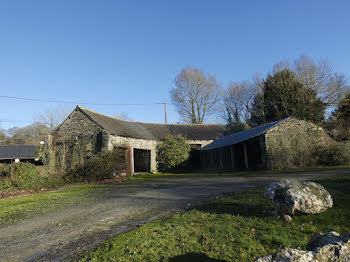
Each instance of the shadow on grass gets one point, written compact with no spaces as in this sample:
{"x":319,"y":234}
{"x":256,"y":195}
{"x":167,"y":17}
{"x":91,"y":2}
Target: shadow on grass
{"x":194,"y":257}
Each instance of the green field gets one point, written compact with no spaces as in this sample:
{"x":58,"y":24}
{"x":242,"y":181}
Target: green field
{"x":234,"y":228}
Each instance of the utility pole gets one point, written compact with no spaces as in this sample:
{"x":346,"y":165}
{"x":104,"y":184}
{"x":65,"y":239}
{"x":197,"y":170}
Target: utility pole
{"x":165,"y":111}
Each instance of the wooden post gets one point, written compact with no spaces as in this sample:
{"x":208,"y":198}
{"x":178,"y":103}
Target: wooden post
{"x":245,"y":156}
{"x":129,"y":160}
{"x":220,"y":156}
{"x":232,"y":158}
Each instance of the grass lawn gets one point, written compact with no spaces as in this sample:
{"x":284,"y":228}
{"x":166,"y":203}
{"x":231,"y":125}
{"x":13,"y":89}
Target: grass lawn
{"x":235,"y":228}
{"x":14,"y":209}
{"x":196,"y":173}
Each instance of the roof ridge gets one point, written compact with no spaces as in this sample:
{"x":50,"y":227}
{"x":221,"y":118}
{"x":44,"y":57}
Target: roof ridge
{"x":274,"y":123}
{"x":132,"y":121}
{"x":268,"y":126}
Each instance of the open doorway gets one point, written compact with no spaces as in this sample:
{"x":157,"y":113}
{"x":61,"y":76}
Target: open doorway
{"x":142,"y":160}
{"x":195,"y":159}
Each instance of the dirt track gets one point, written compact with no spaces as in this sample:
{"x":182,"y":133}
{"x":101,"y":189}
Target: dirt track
{"x":63,"y":235}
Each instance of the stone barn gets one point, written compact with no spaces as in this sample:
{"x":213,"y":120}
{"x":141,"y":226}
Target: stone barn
{"x":281,"y":144}
{"x":85,"y":133}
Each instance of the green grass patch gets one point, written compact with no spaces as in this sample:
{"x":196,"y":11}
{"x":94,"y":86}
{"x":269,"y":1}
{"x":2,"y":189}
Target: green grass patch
{"x":149,"y":176}
{"x":14,"y":209}
{"x":235,"y":228}
{"x":304,"y":169}
{"x":207,"y":173}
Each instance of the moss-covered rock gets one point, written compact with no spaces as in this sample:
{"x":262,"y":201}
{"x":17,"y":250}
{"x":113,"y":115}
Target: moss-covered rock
{"x":330,"y":247}
{"x":291,"y":195}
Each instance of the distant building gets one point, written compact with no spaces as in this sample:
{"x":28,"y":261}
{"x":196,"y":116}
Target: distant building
{"x":85,"y":133}
{"x":280,"y":144}
{"x":19,"y":153}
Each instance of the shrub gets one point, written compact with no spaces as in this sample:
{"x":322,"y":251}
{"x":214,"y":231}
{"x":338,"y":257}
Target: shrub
{"x":290,"y":151}
{"x":236,"y":127}
{"x":98,"y":167}
{"x":26,"y":176}
{"x":173,"y":151}
{"x":332,"y":154}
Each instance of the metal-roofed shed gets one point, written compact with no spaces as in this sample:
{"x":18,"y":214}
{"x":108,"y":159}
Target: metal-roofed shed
{"x":278,"y":144}
{"x":242,"y":136}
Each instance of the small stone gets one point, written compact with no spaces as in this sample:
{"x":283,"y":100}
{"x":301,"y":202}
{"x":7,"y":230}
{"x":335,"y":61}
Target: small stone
{"x":287,"y":218}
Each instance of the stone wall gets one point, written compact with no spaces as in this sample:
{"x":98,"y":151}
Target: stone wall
{"x":290,"y":144}
{"x":79,"y":137}
{"x":75,"y":140}
{"x":126,"y":142}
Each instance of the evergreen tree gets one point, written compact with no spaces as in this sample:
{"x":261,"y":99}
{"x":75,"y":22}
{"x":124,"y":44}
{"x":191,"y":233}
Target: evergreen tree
{"x":342,"y":118}
{"x":282,"y":96}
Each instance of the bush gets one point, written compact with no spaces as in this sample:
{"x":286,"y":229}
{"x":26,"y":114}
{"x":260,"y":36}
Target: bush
{"x":233,"y":128}
{"x":98,"y":167}
{"x":173,"y":151}
{"x":290,"y":151}
{"x":25,"y":176}
{"x":334,"y":154}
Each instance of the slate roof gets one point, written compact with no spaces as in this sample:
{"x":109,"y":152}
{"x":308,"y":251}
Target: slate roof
{"x":150,"y":131}
{"x":243,"y":135}
{"x":18,"y":151}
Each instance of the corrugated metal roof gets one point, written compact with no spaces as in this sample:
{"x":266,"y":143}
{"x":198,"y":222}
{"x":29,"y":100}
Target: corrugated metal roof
{"x":18,"y":151}
{"x":242,"y":136}
{"x":150,"y":131}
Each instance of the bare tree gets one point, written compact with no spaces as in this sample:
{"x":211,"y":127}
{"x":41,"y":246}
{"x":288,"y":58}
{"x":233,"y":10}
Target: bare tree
{"x":320,"y":76}
{"x":31,"y":134}
{"x":2,"y":136}
{"x":237,"y":100}
{"x":195,"y":95}
{"x":121,"y":115}
{"x":53,"y":117}
{"x":280,"y":66}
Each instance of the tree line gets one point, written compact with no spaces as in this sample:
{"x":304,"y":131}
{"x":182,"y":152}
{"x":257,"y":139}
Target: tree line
{"x":303,"y":88}
{"x":43,"y":125}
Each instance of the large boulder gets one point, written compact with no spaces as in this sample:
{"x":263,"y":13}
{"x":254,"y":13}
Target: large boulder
{"x":329,"y":247}
{"x":293,"y":195}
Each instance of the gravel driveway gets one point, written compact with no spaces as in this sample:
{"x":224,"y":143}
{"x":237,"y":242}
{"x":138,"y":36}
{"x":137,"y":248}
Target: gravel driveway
{"x":65,"y":234}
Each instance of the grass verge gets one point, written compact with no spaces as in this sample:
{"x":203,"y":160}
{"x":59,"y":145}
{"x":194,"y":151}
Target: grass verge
{"x":17,"y":208}
{"x":196,"y":173}
{"x":236,"y":228}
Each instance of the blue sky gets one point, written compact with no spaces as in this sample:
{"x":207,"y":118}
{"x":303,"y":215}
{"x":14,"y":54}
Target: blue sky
{"x":130,"y":51}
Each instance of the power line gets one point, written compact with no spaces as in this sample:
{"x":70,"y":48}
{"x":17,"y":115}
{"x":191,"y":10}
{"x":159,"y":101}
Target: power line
{"x":73,"y":102}
{"x":15,"y":120}
{"x":82,"y":103}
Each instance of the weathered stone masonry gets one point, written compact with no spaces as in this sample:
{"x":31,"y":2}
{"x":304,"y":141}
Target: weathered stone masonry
{"x":286,"y":142}
{"x":281,"y":144}
{"x":75,"y":140}
{"x":85,"y":133}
